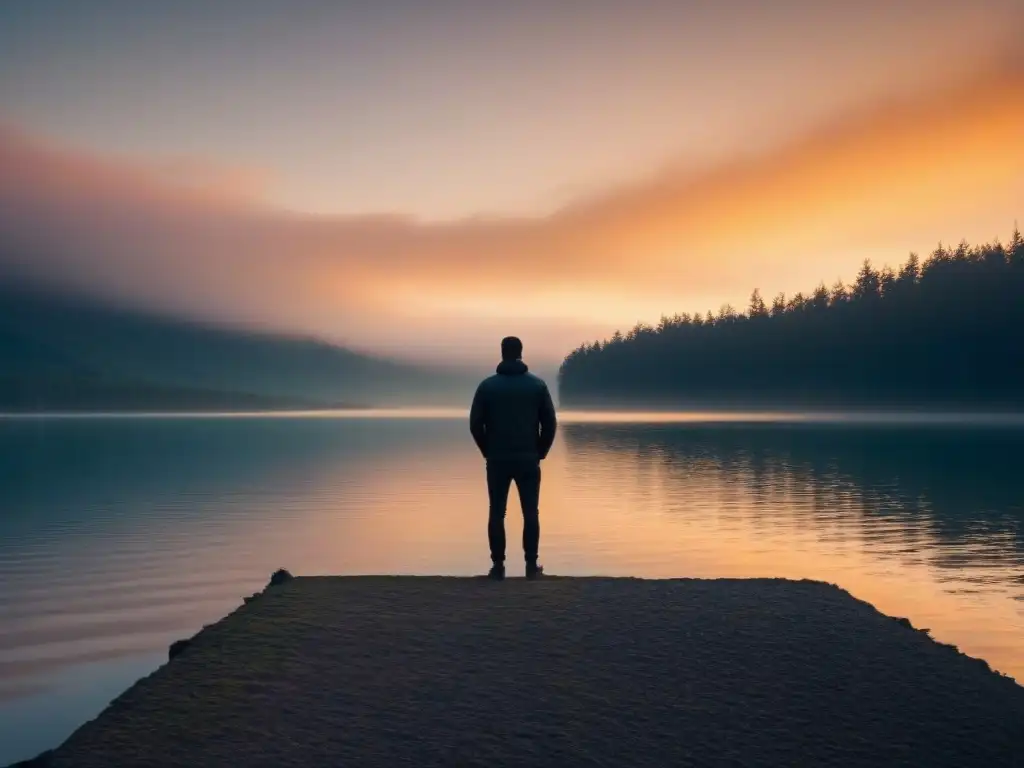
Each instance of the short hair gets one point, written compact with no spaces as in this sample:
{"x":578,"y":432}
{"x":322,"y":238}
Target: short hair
{"x":511,"y":348}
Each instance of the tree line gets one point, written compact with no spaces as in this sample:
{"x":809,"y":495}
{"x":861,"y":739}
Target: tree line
{"x":946,"y":330}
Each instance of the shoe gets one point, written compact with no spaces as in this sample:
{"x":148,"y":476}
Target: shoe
{"x":534,"y":571}
{"x":497,"y":572}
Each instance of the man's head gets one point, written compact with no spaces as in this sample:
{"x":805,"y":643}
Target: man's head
{"x":511,"y":348}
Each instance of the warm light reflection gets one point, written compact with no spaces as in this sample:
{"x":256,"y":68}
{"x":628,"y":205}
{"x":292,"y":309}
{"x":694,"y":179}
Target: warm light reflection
{"x":164,"y":524}
{"x":860,"y":418}
{"x":614,"y":506}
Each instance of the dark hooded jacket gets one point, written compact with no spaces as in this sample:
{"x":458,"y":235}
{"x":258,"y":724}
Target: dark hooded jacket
{"x":512,"y":417}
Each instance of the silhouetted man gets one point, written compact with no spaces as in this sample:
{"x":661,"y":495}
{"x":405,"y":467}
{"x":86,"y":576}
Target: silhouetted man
{"x":513,"y":423}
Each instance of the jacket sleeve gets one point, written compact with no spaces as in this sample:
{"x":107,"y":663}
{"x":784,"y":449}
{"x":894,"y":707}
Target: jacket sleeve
{"x":548,"y":423}
{"x":477,"y":420}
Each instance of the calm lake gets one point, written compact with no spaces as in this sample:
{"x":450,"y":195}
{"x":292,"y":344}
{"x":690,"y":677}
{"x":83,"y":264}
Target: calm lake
{"x":121,"y":535}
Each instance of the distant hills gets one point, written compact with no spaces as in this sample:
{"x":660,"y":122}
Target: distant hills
{"x":62,"y":352}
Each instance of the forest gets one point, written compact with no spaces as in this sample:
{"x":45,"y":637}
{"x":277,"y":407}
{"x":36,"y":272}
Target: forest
{"x":946,"y":331}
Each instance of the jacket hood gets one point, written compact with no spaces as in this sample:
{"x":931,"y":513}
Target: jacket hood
{"x":512,"y":367}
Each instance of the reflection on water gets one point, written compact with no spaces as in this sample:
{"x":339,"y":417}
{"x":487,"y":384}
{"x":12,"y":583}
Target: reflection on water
{"x":118,"y":536}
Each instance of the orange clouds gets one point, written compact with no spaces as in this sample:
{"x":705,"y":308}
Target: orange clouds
{"x":904,"y":165}
{"x":902,"y":175}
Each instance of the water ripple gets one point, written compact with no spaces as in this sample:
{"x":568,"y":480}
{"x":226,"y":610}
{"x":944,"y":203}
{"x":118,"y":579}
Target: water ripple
{"x":120,"y":537}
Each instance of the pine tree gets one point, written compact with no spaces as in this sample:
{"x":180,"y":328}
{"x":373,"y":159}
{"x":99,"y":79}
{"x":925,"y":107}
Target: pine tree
{"x":868,"y":282}
{"x":839,"y":294}
{"x":910,"y":272}
{"x":779,"y":305}
{"x":1015,"y":249}
{"x":819,"y":299}
{"x":757,"y":307}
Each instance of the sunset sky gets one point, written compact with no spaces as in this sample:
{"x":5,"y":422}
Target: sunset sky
{"x":422,"y":177}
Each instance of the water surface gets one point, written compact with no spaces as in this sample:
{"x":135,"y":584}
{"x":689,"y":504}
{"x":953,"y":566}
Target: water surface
{"x":120,"y":535}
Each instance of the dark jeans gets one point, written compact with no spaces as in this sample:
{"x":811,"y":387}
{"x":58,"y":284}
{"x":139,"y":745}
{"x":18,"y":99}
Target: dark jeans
{"x":526,"y":475}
